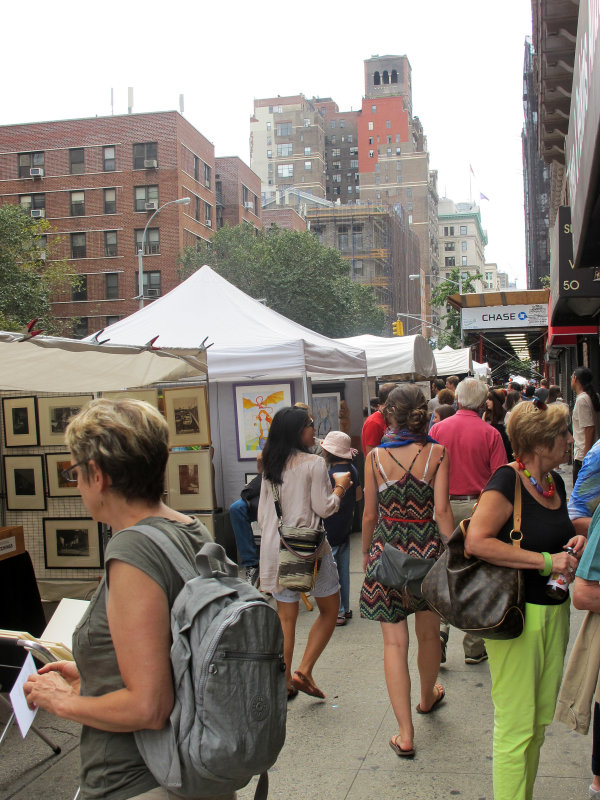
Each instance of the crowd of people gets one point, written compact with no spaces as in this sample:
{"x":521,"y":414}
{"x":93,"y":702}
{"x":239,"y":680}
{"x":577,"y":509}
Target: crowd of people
{"x":428,"y":465}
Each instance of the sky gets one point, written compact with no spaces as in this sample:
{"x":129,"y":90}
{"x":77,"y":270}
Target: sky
{"x":466,"y":58}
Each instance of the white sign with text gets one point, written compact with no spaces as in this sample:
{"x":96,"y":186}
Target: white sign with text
{"x":527,"y":316}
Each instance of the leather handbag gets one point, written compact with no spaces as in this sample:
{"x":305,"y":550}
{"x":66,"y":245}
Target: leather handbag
{"x":473,"y":595}
{"x":299,"y":550}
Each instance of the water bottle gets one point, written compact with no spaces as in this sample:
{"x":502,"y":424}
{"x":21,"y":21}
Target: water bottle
{"x":558,"y":585}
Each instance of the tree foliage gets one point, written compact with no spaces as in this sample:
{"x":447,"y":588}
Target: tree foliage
{"x":450,"y":333}
{"x":28,"y":278}
{"x":294,"y":274}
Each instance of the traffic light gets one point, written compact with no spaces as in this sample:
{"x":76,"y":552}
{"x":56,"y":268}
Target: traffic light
{"x":398,"y":328}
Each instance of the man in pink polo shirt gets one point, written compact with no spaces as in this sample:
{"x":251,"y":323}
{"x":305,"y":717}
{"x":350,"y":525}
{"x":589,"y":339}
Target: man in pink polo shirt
{"x":476,"y":451}
{"x":374,"y":426}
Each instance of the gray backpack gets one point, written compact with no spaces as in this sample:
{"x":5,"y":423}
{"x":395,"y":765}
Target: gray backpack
{"x":228,"y":720}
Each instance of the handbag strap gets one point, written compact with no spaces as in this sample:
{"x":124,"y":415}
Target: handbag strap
{"x":278,"y":510}
{"x":516,"y":534}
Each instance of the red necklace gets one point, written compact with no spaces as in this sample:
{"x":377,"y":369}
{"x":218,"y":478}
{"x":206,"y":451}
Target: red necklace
{"x":546,"y":493}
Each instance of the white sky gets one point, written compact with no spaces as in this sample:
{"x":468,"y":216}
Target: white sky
{"x":466,"y":58}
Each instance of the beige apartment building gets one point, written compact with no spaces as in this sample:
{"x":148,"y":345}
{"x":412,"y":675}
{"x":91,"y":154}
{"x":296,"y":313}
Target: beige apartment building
{"x":462,"y":242}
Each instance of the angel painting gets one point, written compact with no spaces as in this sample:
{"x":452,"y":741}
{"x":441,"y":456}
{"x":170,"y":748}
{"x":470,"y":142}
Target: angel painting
{"x":256,"y":405}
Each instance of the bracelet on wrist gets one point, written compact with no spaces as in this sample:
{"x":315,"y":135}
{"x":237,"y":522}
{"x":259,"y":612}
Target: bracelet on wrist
{"x":547,"y":565}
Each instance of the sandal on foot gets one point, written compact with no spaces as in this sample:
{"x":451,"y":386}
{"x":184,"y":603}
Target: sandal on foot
{"x":440,"y":696}
{"x":292,"y":692}
{"x":302,"y":684}
{"x":341,"y":620}
{"x":400,"y":751}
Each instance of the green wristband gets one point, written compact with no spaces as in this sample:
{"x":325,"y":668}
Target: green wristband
{"x":547,"y":565}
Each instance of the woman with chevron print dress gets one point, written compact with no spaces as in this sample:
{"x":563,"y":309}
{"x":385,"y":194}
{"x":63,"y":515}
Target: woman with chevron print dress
{"x":406,"y":480}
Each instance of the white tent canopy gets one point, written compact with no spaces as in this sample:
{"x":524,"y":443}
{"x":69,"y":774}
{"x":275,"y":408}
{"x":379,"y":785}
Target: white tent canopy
{"x":51,"y":364}
{"x":403,"y":356}
{"x":248,"y":340}
{"x":453,"y":362}
{"x":482,"y":370}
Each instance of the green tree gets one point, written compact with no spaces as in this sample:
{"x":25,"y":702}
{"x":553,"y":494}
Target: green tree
{"x":294,"y":274}
{"x":28,"y":277}
{"x":450,"y":317}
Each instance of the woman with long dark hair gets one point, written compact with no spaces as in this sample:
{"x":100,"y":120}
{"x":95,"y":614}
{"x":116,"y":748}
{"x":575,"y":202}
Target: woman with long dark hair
{"x":586,"y":419}
{"x":494,"y":414}
{"x":406,"y":480}
{"x":306,"y":496}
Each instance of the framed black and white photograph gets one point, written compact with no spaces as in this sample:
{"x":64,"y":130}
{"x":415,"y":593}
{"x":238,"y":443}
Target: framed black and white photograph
{"x":20,"y":421}
{"x":55,"y":413}
{"x":189,"y":480}
{"x":24,"y":480}
{"x":147,"y":395}
{"x":186,"y":411}
{"x":58,"y":486}
{"x":249,"y":476}
{"x":72,"y":544}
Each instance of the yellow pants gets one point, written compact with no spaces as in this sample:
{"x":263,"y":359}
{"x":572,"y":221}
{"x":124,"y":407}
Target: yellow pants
{"x":526,"y":675}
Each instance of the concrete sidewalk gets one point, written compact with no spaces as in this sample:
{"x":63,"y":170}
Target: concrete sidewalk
{"x":338,"y":749}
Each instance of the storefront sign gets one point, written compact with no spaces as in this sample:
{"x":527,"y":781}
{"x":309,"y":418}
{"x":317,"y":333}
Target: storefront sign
{"x":582,"y":141}
{"x":495,"y":317}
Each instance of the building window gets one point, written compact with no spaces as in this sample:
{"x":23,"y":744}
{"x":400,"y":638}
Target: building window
{"x":207,"y":176}
{"x":307,"y":123}
{"x":398,"y":151}
{"x":450,"y":261}
{"x":376,"y":79}
{"x":449,"y":230}
{"x":463,"y":230}
{"x":342,"y":123}
{"x":357,"y":237}
{"x":108,"y":159}
{"x":343,"y":239}
{"x":349,"y":138}
{"x":354,"y":163}
{"x":285,"y":170}
{"x":145,"y":155}
{"x":370,"y":126}
{"x":337,"y":165}
{"x":388,"y":139}
{"x":78,"y":245}
{"x":152,"y":243}
{"x":308,"y":165}
{"x":388,"y":151}
{"x":197,"y":207}
{"x":307,"y":151}
{"x":110,"y":243}
{"x":207,"y":215}
{"x":283,"y":129}
{"x":449,"y":247}
{"x":145,"y":195}
{"x":80,"y":290}
{"x":27,"y":161}
{"x":76,"y":161}
{"x":269,"y":154}
{"x":463,"y":261}
{"x":77,"y":204}
{"x":333,"y":141}
{"x":268,"y":126}
{"x":463,"y":247}
{"x":388,"y":123}
{"x":371,"y":153}
{"x":110,"y":201}
{"x":152,"y":284}
{"x":81,"y":328}
{"x":337,"y":178}
{"x":111,"y":286}
{"x":333,"y":123}
{"x":110,"y":320}
{"x":35,"y":203}
{"x":394,"y":76}
{"x":284,"y":149}
{"x":335,"y":153}
{"x":373,"y":109}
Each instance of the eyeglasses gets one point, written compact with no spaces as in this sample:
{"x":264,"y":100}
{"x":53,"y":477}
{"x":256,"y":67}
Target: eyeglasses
{"x":310,"y":424}
{"x":69,"y":474}
{"x":539,"y":404}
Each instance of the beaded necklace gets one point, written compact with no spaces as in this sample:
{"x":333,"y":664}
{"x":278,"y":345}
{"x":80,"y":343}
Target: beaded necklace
{"x":546,"y":493}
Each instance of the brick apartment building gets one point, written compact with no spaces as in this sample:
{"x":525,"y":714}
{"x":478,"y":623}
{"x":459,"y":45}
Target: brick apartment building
{"x":99,"y":180}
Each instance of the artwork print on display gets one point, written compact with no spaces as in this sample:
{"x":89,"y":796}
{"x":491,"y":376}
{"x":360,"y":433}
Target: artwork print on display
{"x":255,"y":407}
{"x":326,"y":413}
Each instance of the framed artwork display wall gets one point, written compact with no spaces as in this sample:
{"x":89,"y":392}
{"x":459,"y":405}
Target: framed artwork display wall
{"x":54,"y":414}
{"x":255,"y":406}
{"x":147,"y":395}
{"x":24,"y":481}
{"x":20,"y":421}
{"x":186,"y":411}
{"x":72,"y":544}
{"x":189,"y":480}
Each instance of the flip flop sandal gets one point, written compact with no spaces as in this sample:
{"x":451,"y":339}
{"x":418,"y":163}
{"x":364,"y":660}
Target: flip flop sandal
{"x":302,"y":684}
{"x":292,"y":692}
{"x":341,"y":620}
{"x":436,"y":702}
{"x":400,"y":751}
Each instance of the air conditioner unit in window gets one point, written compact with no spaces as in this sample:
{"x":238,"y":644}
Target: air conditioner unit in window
{"x":37,"y":213}
{"x":208,"y":223}
{"x":150,"y":163}
{"x":36,"y":172}
{"x":151,"y":205}
{"x":152,"y":292}
{"x":249,"y":205}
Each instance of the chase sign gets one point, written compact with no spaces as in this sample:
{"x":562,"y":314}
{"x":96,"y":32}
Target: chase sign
{"x":495,"y":317}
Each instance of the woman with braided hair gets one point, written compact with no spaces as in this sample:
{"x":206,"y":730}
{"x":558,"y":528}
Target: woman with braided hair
{"x":406,"y":479}
{"x":586,"y":419}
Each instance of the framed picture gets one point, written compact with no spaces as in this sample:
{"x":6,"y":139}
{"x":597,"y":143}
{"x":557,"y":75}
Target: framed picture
{"x":207,"y":520}
{"x":57,"y":485}
{"x":72,"y":544}
{"x":54,"y":414}
{"x":186,"y":411}
{"x":326,"y":413}
{"x":189,"y":480}
{"x":20,"y":421}
{"x":24,"y":478}
{"x":249,"y":476}
{"x":255,"y":406}
{"x":147,"y":395}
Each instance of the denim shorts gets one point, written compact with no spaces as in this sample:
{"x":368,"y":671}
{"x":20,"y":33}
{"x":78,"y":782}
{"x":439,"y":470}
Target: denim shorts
{"x":326,"y":584}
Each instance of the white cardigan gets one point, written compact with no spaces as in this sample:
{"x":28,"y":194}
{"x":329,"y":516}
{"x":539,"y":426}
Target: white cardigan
{"x":306,"y":496}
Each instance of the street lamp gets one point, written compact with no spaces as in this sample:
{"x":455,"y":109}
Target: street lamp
{"x":182,"y":201}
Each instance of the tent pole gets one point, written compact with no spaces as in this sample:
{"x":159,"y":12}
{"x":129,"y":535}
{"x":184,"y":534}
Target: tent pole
{"x":366,"y":393}
{"x":305,"y":387}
